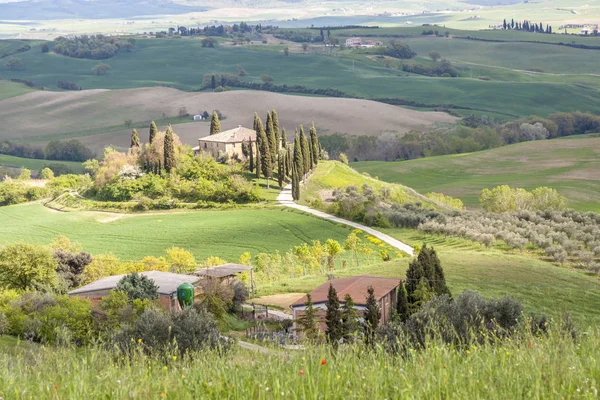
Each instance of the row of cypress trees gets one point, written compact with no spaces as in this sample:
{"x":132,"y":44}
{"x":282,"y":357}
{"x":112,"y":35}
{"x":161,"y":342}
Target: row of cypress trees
{"x":273,"y":153}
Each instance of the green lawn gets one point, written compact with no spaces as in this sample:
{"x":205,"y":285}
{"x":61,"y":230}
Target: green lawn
{"x":182,"y":63}
{"x":569,"y":165}
{"x":36,"y":165}
{"x":226,"y":234}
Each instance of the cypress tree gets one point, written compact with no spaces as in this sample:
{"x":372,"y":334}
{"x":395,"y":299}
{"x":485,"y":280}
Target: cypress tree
{"x":427,"y":265}
{"x":314,"y":142}
{"x":276,"y":128}
{"x":153,"y":132}
{"x":257,"y":162}
{"x":251,"y":155}
{"x":402,"y":303}
{"x":333,"y":317}
{"x":284,"y":164}
{"x":289,"y":160}
{"x":257,"y":128}
{"x":298,"y":166}
{"x":270,"y":131}
{"x":306,"y":160}
{"x":135,"y":139}
{"x":308,"y":322}
{"x":372,"y":316}
{"x":169,"y":149}
{"x":295,"y":185}
{"x":349,"y":319}
{"x":215,"y":124}
{"x":280,"y":169}
{"x":265,"y":156}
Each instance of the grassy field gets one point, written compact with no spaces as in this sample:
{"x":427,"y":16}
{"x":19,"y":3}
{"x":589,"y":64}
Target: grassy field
{"x":12,"y":89}
{"x":226,"y":234}
{"x":36,"y":165}
{"x":356,"y":75}
{"x":569,"y":165}
{"x":533,"y":368}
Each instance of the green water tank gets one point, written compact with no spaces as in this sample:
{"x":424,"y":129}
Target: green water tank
{"x":185,"y":295}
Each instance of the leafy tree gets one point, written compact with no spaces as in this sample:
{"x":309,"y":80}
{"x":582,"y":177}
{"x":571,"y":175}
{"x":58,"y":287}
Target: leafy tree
{"x":333,"y":317}
{"x":306,"y":159}
{"x":314,"y":143}
{"x":27,"y":266}
{"x":435,"y":56}
{"x":350,"y":324}
{"x":333,"y":249}
{"x":308,"y":322}
{"x":216,"y":297}
{"x":46,"y":173}
{"x":153,"y":132}
{"x":353,"y":244}
{"x":71,"y":264}
{"x":399,"y":49}
{"x":44,"y":48}
{"x":100,"y":69}
{"x":138,"y":287}
{"x":372,"y":316}
{"x":14,"y":64}
{"x":180,"y":260}
{"x":215,"y":124}
{"x":25,"y":175}
{"x":169,"y":149}
{"x":135,"y":139}
{"x":402,"y":303}
{"x":267,"y":79}
{"x":286,"y":51}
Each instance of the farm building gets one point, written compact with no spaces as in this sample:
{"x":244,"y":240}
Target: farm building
{"x":198,"y":117}
{"x":356,"y":286}
{"x":226,"y":273}
{"x":167,"y":283}
{"x":356,"y":42}
{"x":228,"y":142}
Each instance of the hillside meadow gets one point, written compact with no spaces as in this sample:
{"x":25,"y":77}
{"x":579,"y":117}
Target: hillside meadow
{"x":226,"y":234}
{"x":358,"y":76}
{"x":569,"y":165}
{"x":35,"y":164}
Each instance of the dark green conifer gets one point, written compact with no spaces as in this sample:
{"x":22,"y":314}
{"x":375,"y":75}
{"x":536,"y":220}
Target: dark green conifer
{"x":349,"y":319}
{"x":153,"y":132}
{"x":265,"y":156}
{"x":314,"y":142}
{"x":215,"y":124}
{"x":308,"y":322}
{"x":306,"y":159}
{"x":333,"y":317}
{"x":135,"y":139}
{"x":169,"y":150}
{"x":402,"y":303}
{"x":372,"y":316}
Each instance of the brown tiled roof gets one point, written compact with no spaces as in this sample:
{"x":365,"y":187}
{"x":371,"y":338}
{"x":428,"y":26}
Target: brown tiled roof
{"x":356,"y":286}
{"x":235,"y":135}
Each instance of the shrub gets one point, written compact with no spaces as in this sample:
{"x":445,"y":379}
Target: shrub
{"x":188,"y":330}
{"x":138,"y":287}
{"x":46,"y":173}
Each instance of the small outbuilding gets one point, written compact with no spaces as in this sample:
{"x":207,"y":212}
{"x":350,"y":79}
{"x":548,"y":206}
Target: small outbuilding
{"x":198,"y":117}
{"x":167,"y":283}
{"x":356,"y":287}
{"x":226,"y":272}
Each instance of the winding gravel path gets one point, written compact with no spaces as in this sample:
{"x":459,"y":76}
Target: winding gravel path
{"x":286,"y":200}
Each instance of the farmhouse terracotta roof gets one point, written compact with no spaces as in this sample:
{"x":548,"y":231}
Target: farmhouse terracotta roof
{"x":167,"y":282}
{"x":222,"y":270}
{"x":356,"y":286}
{"x":236,"y":135}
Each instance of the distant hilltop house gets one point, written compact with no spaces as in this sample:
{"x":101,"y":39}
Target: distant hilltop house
{"x":228,"y":142}
{"x":166,"y":282}
{"x":358,"y":43}
{"x":198,"y":117}
{"x":356,"y":287}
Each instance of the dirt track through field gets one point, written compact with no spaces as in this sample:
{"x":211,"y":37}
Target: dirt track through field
{"x":52,"y":114}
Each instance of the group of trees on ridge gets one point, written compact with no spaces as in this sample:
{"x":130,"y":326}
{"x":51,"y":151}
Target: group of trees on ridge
{"x":94,"y":47}
{"x":526,"y":26}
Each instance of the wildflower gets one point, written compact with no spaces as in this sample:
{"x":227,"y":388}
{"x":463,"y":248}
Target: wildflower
{"x":468,"y":351}
{"x":140,"y":340}
{"x":323,"y":362}
{"x":303,"y":358}
{"x":55,"y":387}
{"x":165,"y":367}
{"x":529,"y":345}
{"x":174,"y":358}
{"x":267,"y":388}
{"x":232,"y":385}
{"x":163,"y":395}
{"x":301,"y":372}
{"x":420,"y":361}
{"x":338,"y":377}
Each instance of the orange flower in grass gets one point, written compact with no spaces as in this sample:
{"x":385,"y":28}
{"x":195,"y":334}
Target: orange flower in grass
{"x":301,"y":372}
{"x":323,"y":361}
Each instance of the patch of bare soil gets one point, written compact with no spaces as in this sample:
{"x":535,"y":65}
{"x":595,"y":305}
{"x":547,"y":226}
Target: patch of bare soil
{"x":280,"y":300}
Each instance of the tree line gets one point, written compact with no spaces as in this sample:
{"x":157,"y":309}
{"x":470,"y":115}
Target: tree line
{"x":70,"y":150}
{"x":94,"y":47}
{"x":473,"y":134}
{"x":527,"y":26}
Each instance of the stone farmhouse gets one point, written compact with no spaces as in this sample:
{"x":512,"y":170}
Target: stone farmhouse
{"x":358,"y":43}
{"x":227,"y":142}
{"x":356,"y":286}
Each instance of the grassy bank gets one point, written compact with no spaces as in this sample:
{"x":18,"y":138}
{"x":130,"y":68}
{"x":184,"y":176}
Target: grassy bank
{"x":569,"y":165}
{"x":536,"y":368}
{"x":36,"y":165}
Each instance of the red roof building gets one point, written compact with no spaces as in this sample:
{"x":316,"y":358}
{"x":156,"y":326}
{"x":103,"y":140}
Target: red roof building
{"x":356,"y":287}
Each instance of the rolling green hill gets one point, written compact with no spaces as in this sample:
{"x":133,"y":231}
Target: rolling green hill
{"x":181,"y":63}
{"x":36,"y":165}
{"x":569,"y":165}
{"x":226,"y":234}
{"x":12,"y":89}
